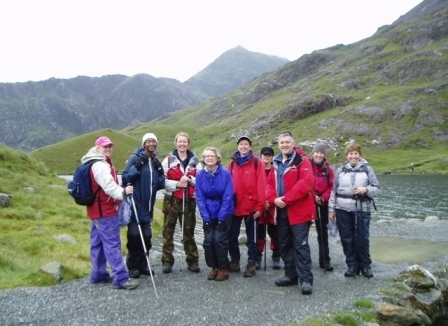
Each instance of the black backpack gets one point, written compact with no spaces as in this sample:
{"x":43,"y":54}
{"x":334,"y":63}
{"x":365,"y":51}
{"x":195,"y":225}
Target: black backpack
{"x":80,"y":188}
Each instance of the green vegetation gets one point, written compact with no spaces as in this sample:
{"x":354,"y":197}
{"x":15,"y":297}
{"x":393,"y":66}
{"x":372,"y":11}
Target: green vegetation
{"x":345,"y":318}
{"x":364,"y":303}
{"x":34,"y":218}
{"x":363,"y":312}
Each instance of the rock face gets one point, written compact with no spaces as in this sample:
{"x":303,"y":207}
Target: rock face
{"x":4,"y":200}
{"x":419,"y":298}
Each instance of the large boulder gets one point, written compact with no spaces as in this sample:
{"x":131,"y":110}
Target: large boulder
{"x":392,"y":315}
{"x":420,"y":299}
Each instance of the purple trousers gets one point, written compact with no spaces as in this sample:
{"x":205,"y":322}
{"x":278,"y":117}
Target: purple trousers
{"x":105,"y":248}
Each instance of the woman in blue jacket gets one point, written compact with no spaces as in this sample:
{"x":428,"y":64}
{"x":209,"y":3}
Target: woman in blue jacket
{"x":145,"y":173}
{"x":214,"y":198}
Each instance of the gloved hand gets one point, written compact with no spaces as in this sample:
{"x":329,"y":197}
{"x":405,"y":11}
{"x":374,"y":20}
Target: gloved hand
{"x":158,"y":167}
{"x":222,"y":226}
{"x":206,"y":226}
{"x":142,"y":160}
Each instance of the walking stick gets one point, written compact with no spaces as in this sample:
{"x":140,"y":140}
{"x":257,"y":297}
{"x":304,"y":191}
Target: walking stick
{"x":321,"y":238}
{"x":183,"y":223}
{"x":143,"y":242}
{"x":265,"y":238}
{"x":356,"y":229}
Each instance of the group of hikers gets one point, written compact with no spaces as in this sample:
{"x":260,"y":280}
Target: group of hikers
{"x":281,"y":195}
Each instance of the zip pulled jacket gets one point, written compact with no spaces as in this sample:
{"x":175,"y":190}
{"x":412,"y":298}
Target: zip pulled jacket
{"x":104,"y":175}
{"x":298,"y":182}
{"x":347,"y":179}
{"x":323,"y":180}
{"x":146,"y":183}
{"x":214,"y":194}
{"x":174,"y":171}
{"x":249,"y":184}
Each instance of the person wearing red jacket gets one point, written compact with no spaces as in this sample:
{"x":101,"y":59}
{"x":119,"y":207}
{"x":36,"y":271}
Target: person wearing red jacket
{"x":290,"y":188}
{"x":105,"y":242}
{"x":249,"y":185}
{"x":266,"y":221}
{"x":323,"y":184}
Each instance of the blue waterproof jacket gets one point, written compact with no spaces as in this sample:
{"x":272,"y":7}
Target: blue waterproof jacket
{"x":214,"y":194}
{"x":146,"y":183}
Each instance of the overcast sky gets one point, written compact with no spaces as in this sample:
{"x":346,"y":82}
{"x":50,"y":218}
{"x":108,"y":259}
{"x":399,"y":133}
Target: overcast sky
{"x":41,"y":39}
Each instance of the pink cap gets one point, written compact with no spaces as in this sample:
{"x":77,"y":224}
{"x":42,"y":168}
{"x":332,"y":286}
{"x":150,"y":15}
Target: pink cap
{"x":103,"y":141}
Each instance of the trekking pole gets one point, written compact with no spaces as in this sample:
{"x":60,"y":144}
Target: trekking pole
{"x":265,"y":238}
{"x":183,"y":223}
{"x":255,"y":233}
{"x":321,"y":238}
{"x":356,"y":229}
{"x":143,"y":243}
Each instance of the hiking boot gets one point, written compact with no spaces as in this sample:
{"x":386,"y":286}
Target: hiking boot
{"x":194,"y":268}
{"x":250,"y":269}
{"x":367,"y":272}
{"x":110,"y":279}
{"x":307,"y":288}
{"x":276,"y":263}
{"x":223,"y":274}
{"x":286,"y":281}
{"x":349,"y":273}
{"x":327,"y":267}
{"x":258,"y":264}
{"x":134,"y":273}
{"x":145,"y":271}
{"x":129,"y":285}
{"x":212,"y":275}
{"x":167,"y":269}
{"x":235,"y":265}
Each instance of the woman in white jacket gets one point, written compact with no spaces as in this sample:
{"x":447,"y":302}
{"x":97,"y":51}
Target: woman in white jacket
{"x":105,"y":243}
{"x":355,"y":186}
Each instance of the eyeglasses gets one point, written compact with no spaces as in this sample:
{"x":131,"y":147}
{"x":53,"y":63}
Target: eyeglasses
{"x":209,"y":156}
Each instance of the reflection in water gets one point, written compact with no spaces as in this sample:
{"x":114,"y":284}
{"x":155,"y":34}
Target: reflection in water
{"x":410,"y":251}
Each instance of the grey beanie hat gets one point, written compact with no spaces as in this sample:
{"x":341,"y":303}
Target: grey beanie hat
{"x":320,"y":147}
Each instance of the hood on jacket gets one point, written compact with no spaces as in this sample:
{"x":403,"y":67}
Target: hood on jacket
{"x":93,"y":154}
{"x":357,"y":166}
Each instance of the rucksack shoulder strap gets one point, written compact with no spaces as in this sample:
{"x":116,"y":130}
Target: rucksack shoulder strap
{"x":256,"y":161}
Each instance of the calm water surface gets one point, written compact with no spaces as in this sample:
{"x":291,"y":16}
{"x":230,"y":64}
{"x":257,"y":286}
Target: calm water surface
{"x":412,"y":196}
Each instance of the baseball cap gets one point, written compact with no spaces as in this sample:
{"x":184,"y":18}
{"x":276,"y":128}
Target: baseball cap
{"x":267,"y":150}
{"x":103,"y":141}
{"x":244,"y":137}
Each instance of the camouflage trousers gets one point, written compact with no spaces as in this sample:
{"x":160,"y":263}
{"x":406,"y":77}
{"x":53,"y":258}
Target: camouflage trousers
{"x":172,"y":210}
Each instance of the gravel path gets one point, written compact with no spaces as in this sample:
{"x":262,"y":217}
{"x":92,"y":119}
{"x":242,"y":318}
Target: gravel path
{"x":189,"y":299}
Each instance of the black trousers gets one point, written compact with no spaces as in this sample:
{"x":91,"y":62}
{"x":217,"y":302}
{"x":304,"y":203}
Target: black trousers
{"x":294,"y":247}
{"x":136,"y":258}
{"x":216,"y":245}
{"x":322,"y":234}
